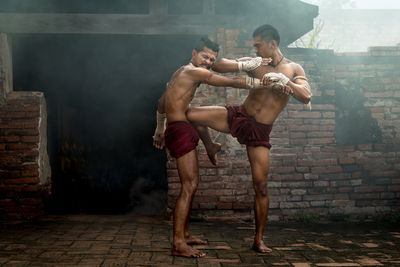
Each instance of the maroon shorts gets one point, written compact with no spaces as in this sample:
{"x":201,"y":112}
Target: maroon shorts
{"x":246,"y":129}
{"x":180,"y":138}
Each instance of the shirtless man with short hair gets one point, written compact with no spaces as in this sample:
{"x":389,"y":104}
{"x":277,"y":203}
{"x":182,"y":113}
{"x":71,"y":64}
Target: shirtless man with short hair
{"x":252,"y":121}
{"x":180,"y":136}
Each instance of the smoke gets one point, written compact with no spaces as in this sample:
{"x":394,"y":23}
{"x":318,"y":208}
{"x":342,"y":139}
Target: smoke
{"x":146,"y":198}
{"x":102,"y":93}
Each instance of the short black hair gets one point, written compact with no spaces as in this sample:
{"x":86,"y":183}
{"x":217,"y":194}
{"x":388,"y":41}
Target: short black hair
{"x":205,"y":42}
{"x":267,"y":33}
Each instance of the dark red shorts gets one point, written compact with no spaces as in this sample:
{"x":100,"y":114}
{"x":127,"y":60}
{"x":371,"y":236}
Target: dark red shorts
{"x":246,"y":129}
{"x":180,"y":138}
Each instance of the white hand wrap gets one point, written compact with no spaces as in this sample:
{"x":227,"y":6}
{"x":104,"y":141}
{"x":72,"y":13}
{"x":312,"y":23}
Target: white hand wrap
{"x":253,"y":83}
{"x":277,"y":78}
{"x":161,"y":123}
{"x":249,"y":64}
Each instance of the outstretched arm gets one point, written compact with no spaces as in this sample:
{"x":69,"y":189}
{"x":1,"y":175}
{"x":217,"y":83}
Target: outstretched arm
{"x":224,"y":65}
{"x":205,"y":76}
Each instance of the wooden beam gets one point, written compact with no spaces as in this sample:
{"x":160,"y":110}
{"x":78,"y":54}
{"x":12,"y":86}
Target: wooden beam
{"x":118,"y":24}
{"x":143,"y":24}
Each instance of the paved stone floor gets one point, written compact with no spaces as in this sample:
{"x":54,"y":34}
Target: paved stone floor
{"x":88,"y":240}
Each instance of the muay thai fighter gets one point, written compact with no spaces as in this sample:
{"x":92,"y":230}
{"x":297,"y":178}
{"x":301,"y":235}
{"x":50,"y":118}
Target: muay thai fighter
{"x":181,"y":138}
{"x":252,"y":121}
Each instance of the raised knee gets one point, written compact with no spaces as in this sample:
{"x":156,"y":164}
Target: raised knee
{"x":190,"y":113}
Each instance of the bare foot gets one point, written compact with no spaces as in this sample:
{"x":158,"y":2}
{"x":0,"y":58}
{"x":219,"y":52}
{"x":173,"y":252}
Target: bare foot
{"x":259,"y":246}
{"x":183,"y":250}
{"x":191,"y":240}
{"x":212,"y":151}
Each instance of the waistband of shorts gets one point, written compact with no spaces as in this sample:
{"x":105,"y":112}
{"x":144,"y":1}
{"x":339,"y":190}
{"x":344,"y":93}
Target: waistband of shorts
{"x":244,"y":111}
{"x":178,"y":122}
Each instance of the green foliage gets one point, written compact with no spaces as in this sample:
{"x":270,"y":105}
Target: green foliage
{"x":311,"y":40}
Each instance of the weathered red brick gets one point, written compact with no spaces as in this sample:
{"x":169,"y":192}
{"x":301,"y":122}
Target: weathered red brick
{"x":297,"y":135}
{"x":33,"y":114}
{"x":287,"y":177}
{"x":30,"y":139}
{"x":21,"y":146}
{"x":30,"y":108}
{"x":207,"y":206}
{"x":224,"y":206}
{"x":365,"y":196}
{"x":30,"y":201}
{"x":12,"y":115}
{"x":317,"y":197}
{"x":366,"y":147}
{"x":331,"y":169}
{"x":30,"y":188}
{"x":10,"y":173}
{"x":321,"y":141}
{"x":7,"y":160}
{"x":242,"y":206}
{"x":173,"y":179}
{"x":384,"y":173}
{"x":298,"y":141}
{"x":227,"y":198}
{"x":345,"y":189}
{"x":9,"y":139}
{"x":347,"y":161}
{"x":305,"y":114}
{"x":317,"y":162}
{"x":21,"y":132}
{"x":30,"y":173}
{"x":395,"y":188}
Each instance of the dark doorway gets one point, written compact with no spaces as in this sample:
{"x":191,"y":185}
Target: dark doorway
{"x":102,"y":93}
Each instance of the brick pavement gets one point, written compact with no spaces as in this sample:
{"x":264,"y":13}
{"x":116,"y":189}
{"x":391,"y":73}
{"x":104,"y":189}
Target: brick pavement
{"x":88,"y":240}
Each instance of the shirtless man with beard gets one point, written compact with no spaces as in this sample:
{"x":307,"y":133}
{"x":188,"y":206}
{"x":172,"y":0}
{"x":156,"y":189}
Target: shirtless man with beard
{"x":251,"y":122}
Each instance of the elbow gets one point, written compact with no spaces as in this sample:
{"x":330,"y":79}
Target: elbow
{"x":307,"y":99}
{"x":216,"y":67}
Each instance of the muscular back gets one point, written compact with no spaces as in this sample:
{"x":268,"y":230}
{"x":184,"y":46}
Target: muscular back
{"x":266,"y":104}
{"x":180,"y":91}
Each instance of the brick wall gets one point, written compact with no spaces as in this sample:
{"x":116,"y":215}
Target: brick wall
{"x":341,"y":159}
{"x":24,"y":164}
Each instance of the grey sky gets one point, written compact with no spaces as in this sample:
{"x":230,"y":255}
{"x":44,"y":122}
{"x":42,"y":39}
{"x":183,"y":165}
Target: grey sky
{"x":378,"y":4}
{"x":368,"y":4}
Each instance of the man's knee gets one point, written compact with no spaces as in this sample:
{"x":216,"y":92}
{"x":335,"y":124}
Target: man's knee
{"x":190,"y":187}
{"x":261,"y":189}
{"x":191,"y":114}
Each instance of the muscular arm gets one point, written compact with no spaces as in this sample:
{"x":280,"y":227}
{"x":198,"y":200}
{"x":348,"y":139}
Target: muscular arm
{"x":300,"y":87}
{"x":201,"y":75}
{"x":158,"y":137}
{"x":161,"y":104}
{"x":224,"y":65}
{"x":247,"y":64}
